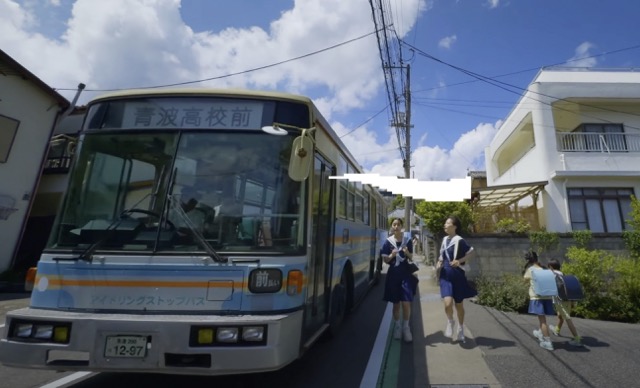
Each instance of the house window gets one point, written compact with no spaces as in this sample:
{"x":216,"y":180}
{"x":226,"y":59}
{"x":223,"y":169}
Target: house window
{"x":8,"y":130}
{"x":603,"y":137}
{"x":601,"y":210}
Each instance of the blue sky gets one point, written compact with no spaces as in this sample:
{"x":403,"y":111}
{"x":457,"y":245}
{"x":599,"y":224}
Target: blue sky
{"x":137,"y":43}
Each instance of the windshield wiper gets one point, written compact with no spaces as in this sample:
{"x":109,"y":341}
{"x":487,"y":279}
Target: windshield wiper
{"x":87,"y":254}
{"x":199,"y":237}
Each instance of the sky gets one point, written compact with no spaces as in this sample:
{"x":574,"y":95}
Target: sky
{"x":327,"y":50}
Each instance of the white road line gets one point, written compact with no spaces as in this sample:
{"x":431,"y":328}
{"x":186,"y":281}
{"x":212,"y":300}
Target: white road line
{"x":66,"y":380}
{"x":370,"y":377}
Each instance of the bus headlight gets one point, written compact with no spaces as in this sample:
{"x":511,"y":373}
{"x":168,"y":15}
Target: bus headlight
{"x":43,"y":332}
{"x":253,"y":333}
{"x":57,"y":332}
{"x":23,"y":330}
{"x":227,"y":334}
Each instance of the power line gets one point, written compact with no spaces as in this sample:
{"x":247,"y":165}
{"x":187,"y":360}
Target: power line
{"x":505,"y":86}
{"x":366,"y":121}
{"x":527,"y":70}
{"x":236,"y":73}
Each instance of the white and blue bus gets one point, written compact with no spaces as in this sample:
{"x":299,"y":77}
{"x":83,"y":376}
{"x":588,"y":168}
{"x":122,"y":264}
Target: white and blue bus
{"x":200,"y":234}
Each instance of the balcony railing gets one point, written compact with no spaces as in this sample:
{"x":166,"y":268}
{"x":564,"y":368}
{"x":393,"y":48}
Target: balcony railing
{"x":598,"y":142}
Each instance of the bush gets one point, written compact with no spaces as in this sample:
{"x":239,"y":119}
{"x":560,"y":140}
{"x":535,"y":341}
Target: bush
{"x":507,"y":293}
{"x":543,"y":241}
{"x":610,"y":284}
{"x":509,"y":225}
{"x":582,"y":237}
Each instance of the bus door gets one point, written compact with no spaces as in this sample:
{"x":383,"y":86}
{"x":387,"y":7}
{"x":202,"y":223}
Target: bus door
{"x":317,"y":302}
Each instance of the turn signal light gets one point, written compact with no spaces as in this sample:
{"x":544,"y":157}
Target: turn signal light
{"x":294,"y":282}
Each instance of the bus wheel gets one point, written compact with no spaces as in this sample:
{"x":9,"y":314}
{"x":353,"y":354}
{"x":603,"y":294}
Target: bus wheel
{"x":338,"y":305}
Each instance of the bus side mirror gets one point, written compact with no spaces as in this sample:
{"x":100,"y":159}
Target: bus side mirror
{"x":301,"y":157}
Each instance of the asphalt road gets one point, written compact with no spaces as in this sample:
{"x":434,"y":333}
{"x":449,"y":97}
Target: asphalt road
{"x":608,"y":359}
{"x":338,"y":362}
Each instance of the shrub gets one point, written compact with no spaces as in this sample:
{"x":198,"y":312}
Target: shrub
{"x":509,"y":225}
{"x":582,"y":237}
{"x":610,"y":284}
{"x":632,"y":242}
{"x":543,"y":241}
{"x":507,"y":293}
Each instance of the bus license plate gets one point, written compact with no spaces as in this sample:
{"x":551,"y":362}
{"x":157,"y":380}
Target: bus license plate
{"x":126,"y":346}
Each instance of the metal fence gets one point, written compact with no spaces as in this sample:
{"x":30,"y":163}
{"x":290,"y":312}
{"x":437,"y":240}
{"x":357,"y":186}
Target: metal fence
{"x":598,"y":142}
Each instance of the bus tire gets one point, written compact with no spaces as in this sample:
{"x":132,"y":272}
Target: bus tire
{"x":339,"y":305}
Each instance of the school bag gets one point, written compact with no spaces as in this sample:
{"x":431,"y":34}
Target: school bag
{"x":544,"y":282}
{"x":569,"y":287}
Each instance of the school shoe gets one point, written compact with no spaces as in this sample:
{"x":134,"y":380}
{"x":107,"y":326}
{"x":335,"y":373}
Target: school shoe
{"x":577,"y":341}
{"x":545,"y":343}
{"x":397,"y":331}
{"x":538,"y":334}
{"x":406,"y":333}
{"x":448,"y":332}
{"x":554,"y":329}
{"x":460,"y":335}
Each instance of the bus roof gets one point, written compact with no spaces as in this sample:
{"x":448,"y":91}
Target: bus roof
{"x":226,"y":92}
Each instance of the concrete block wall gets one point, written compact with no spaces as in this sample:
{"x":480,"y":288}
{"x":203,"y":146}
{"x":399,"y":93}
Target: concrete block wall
{"x":503,"y":253}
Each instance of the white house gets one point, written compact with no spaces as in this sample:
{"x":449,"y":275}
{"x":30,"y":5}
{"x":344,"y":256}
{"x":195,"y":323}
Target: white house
{"x":29,"y":110}
{"x":573,"y":139}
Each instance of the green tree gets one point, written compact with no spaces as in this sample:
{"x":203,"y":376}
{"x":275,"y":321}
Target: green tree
{"x":398,"y":202}
{"x":632,"y":237}
{"x":435,"y":214}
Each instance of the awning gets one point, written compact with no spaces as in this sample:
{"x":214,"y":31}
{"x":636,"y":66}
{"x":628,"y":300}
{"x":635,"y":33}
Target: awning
{"x":508,"y":194}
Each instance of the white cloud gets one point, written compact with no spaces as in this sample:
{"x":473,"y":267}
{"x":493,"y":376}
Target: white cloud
{"x":133,"y":43}
{"x":447,"y":42}
{"x":127,"y":43}
{"x":435,"y":163}
{"x":580,"y":58}
{"x":493,"y":3}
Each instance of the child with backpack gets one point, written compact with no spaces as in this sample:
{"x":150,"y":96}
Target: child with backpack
{"x":540,"y":305}
{"x":563,"y":309}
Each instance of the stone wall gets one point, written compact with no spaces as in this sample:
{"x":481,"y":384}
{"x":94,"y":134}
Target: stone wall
{"x":500,"y":253}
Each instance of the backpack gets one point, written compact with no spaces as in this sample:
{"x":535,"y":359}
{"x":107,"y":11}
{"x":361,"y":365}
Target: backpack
{"x":544,"y":282}
{"x":569,"y":287}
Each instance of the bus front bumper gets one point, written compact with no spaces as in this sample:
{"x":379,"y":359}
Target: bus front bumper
{"x":149,"y":343}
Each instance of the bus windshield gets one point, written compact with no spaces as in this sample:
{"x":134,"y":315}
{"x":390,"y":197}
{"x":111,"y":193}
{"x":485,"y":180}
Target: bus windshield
{"x":232,"y":189}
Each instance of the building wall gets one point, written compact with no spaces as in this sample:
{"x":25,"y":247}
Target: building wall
{"x":617,"y":93}
{"x":498,"y":254}
{"x":36,"y":112}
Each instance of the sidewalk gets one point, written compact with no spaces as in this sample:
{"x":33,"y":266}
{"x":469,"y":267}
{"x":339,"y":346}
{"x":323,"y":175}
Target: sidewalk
{"x":448,"y":363}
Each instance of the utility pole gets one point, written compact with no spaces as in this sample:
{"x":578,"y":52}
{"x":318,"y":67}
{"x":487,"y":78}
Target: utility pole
{"x":408,"y":201}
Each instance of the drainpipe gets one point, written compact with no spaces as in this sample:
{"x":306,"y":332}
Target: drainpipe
{"x":31,"y":196}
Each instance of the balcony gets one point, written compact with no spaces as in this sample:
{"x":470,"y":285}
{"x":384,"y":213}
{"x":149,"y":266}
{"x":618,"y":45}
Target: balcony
{"x":598,"y":142}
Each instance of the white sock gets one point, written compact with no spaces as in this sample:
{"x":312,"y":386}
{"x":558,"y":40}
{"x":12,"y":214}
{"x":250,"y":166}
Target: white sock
{"x":406,"y":323}
{"x":397,"y":323}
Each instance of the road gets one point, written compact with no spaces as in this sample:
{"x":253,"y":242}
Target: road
{"x":338,"y":362}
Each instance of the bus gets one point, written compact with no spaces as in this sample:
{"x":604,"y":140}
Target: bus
{"x":200,"y":233}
